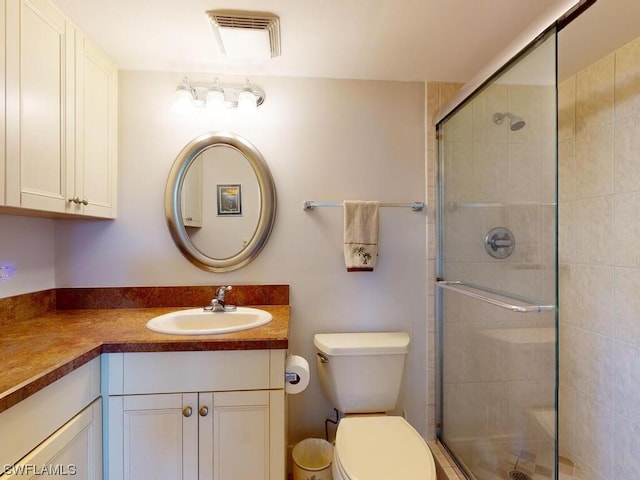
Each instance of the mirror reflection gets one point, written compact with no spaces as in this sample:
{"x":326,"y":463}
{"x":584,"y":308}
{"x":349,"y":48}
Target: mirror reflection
{"x":220,"y":193}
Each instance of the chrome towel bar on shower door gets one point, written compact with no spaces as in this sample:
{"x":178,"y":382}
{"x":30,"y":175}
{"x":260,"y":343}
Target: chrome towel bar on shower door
{"x":471,"y":291}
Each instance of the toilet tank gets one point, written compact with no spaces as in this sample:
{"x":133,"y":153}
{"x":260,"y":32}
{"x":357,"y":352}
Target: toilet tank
{"x":361,"y":372}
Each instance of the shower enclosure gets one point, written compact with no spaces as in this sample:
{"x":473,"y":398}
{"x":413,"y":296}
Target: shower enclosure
{"x":497,"y":269}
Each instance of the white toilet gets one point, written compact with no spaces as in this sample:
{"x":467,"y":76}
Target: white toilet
{"x":361,"y":374}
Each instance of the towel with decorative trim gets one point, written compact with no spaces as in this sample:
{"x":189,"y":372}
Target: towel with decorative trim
{"x":360,"y":235}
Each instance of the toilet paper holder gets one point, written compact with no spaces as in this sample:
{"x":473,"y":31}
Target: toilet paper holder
{"x":296,"y":374}
{"x":292,"y":378}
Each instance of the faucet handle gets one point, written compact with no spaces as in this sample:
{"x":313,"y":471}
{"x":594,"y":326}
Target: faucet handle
{"x":222,"y":290}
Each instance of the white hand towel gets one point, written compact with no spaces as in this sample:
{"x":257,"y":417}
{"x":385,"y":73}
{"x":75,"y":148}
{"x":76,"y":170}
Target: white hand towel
{"x":360,"y":235}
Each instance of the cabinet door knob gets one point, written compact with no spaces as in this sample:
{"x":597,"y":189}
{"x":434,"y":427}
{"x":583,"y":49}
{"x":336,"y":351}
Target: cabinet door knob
{"x":204,"y":411}
{"x":85,"y":201}
{"x":75,"y":200}
{"x":187,"y":411}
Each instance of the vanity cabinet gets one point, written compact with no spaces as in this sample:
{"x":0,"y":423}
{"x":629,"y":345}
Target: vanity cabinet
{"x":60,"y":115}
{"x":56,"y":431}
{"x":207,"y":435}
{"x":199,"y":415}
{"x":74,"y":449}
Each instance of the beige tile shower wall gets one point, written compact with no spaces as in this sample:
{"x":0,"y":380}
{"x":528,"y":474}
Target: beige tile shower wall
{"x":512,"y":174}
{"x":599,"y":248}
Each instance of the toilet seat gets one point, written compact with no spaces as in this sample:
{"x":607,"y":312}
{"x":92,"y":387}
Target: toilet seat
{"x":381,"y":448}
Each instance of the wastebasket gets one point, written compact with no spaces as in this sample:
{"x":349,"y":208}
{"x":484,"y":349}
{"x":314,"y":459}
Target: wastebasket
{"x":312,"y":460}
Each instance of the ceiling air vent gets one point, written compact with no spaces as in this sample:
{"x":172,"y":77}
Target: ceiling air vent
{"x":248,"y":35}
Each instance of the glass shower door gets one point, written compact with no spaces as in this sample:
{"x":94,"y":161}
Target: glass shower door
{"x":497,"y":271}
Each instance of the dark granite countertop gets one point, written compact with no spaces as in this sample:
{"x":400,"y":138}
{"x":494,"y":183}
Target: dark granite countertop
{"x":36,"y":352}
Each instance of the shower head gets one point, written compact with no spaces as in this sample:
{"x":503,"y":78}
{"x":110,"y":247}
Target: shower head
{"x":516,"y":123}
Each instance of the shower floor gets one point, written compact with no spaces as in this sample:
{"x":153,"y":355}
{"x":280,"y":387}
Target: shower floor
{"x":495,"y":461}
{"x":536,"y":466}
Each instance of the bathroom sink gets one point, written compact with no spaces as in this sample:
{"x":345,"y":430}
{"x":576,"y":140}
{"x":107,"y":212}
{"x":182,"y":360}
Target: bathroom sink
{"x":197,"y":321}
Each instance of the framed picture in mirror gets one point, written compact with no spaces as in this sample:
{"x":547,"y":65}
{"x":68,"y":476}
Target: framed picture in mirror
{"x":230,"y":199}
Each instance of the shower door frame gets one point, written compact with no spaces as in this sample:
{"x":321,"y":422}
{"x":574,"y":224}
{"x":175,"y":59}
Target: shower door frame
{"x":440,"y":206}
{"x":554,"y":25}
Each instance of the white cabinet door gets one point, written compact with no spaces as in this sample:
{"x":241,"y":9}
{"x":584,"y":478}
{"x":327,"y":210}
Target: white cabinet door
{"x":234,"y":430}
{"x":74,"y":450}
{"x":95,"y":174}
{"x":61,"y":115}
{"x":234,"y":437}
{"x":39,"y":105}
{"x":221,"y":436}
{"x":159,"y":437}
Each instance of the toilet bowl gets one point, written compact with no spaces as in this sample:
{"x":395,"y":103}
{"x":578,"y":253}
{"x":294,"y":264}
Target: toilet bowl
{"x":360,"y":374}
{"x":380,"y":448}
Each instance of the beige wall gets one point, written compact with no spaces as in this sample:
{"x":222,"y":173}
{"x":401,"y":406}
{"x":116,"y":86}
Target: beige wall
{"x":28,"y":244}
{"x":599,"y":248}
{"x":324,"y":140}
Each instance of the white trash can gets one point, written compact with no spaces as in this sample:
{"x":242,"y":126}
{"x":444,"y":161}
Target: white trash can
{"x":312,"y":459}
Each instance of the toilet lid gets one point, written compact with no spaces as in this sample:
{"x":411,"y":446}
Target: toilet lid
{"x":382,"y":448}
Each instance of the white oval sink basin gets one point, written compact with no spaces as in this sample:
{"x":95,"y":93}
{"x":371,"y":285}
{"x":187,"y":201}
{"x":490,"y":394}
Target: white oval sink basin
{"x":197,"y":321}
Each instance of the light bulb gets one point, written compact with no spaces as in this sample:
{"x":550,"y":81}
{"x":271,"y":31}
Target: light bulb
{"x":215,"y":99}
{"x":183,"y":98}
{"x":247,"y":101}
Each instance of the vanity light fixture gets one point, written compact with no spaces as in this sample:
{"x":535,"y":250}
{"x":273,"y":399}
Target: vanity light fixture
{"x":217,"y":96}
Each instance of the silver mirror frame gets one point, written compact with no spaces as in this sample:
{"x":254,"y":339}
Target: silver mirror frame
{"x":173,"y":204}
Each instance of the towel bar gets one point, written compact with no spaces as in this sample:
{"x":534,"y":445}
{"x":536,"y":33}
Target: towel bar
{"x":311,"y":204}
{"x":456,"y":287}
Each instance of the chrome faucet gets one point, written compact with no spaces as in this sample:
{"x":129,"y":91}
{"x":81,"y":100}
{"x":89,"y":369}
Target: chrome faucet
{"x":218,"y":303}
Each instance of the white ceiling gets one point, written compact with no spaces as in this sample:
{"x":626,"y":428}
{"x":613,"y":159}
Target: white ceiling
{"x":436,"y":40}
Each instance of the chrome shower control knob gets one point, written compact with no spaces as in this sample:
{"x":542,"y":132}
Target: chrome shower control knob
{"x":499,"y":242}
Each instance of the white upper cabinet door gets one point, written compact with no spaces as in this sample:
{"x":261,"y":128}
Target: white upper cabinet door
{"x":95,"y":174}
{"x":61,"y":115}
{"x":39,"y":105}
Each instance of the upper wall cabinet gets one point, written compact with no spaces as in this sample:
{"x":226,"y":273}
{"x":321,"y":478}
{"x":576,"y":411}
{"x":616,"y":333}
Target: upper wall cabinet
{"x":39,"y":63}
{"x":95,"y":175}
{"x":61,"y":102}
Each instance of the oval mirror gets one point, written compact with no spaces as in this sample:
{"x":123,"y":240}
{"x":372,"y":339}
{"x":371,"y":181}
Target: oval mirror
{"x":220,"y":201}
